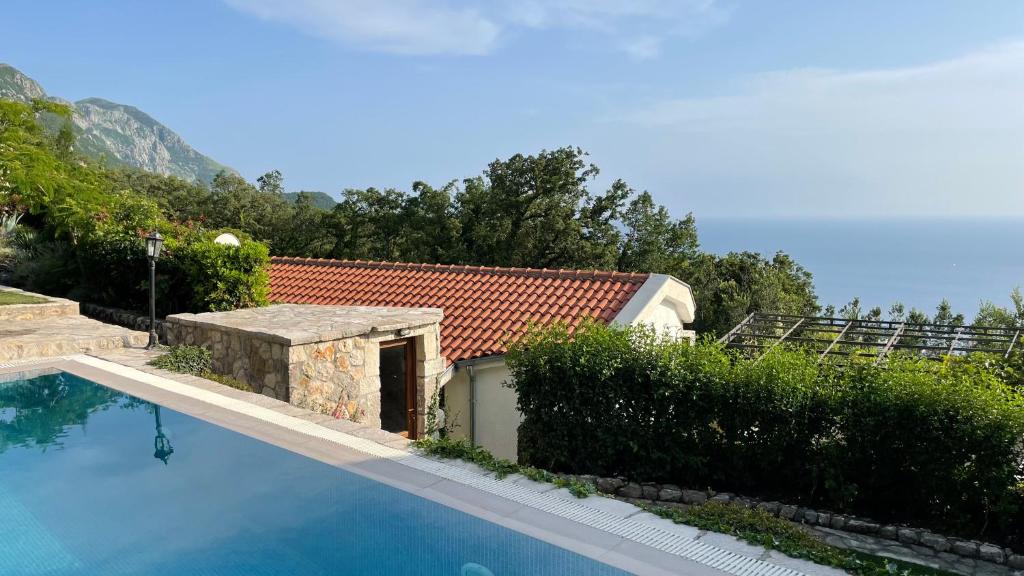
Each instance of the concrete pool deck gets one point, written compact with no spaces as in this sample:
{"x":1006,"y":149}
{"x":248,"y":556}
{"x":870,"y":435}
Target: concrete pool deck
{"x":606,"y":530}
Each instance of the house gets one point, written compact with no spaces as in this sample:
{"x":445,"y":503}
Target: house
{"x":484,"y":308}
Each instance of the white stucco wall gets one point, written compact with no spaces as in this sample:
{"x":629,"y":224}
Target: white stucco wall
{"x":497,"y":419}
{"x":456,"y":405}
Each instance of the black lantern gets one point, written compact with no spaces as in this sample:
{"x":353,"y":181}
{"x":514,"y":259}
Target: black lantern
{"x":162,"y":448}
{"x":154,"y":243}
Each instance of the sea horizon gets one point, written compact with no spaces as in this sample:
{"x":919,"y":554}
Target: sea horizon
{"x":917,"y":261}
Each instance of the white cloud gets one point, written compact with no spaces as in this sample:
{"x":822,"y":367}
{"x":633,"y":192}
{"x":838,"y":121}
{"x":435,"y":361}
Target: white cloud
{"x":642,"y":48}
{"x":945,"y":138}
{"x":636,"y":27}
{"x":397,"y":26}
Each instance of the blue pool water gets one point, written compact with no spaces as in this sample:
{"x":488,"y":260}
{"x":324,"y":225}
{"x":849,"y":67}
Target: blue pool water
{"x":84,"y":491}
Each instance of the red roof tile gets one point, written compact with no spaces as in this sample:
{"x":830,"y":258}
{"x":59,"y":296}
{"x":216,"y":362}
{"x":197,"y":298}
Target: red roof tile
{"x":484,"y":307}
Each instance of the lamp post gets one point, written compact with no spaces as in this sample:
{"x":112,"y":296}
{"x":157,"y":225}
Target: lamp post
{"x":154,"y":242}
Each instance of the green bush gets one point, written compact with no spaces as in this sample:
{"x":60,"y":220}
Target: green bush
{"x":197,"y":361}
{"x":194,"y":360}
{"x":918,"y":441}
{"x":217,"y":277}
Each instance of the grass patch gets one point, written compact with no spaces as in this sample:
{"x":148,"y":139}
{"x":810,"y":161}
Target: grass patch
{"x":9,"y":298}
{"x":761,"y":528}
{"x":197,"y":361}
{"x":462,"y":450}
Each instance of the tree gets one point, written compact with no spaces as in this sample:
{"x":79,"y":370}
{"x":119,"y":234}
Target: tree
{"x":430,"y":227}
{"x":181,"y":200}
{"x":367,"y":224}
{"x":261,"y":213}
{"x":271,"y":183}
{"x":728,"y":288}
{"x":526,"y":211}
{"x":654,"y":242}
{"x":995,"y":316}
{"x":306,"y":232}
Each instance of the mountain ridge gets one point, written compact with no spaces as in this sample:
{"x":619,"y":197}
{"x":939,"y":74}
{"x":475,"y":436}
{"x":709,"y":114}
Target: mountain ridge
{"x":119,"y":134}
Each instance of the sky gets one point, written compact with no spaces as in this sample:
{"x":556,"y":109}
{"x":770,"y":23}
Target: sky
{"x":723,"y":108}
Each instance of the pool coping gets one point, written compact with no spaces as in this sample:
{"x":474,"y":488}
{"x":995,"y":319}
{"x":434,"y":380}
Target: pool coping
{"x":638,"y":542}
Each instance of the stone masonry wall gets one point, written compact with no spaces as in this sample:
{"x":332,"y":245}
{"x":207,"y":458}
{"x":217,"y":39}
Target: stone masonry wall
{"x":262,"y":364}
{"x":126,"y":318}
{"x":342,"y":377}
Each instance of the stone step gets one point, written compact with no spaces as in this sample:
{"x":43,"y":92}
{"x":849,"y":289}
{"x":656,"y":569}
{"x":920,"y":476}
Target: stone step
{"x":63,"y":335}
{"x":52,"y":308}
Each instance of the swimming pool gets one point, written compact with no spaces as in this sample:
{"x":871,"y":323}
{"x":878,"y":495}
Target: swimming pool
{"x":96,"y":482}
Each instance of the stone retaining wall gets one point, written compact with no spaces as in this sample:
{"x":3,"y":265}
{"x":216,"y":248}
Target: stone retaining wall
{"x":52,"y":308}
{"x":913,"y":537}
{"x":126,"y":318}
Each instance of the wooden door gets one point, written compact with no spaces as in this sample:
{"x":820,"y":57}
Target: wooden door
{"x":398,"y":387}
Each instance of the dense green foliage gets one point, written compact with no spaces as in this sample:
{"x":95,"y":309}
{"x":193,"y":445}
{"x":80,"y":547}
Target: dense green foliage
{"x":761,"y":528}
{"x":934,"y":443}
{"x":218,"y":277}
{"x":81,"y":234}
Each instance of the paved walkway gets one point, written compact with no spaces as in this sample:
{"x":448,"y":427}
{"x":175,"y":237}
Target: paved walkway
{"x":61,"y":336}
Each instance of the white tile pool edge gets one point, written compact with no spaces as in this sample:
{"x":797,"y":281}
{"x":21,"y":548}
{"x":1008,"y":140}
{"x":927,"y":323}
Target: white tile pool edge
{"x":684,"y":547}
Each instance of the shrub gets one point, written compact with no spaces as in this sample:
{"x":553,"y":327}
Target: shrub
{"x":194,"y":360}
{"x":925,"y":442}
{"x":218,"y":277}
{"x":197,"y":361}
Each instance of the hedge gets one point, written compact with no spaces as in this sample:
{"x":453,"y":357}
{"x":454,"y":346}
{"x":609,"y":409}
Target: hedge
{"x":912,"y":440}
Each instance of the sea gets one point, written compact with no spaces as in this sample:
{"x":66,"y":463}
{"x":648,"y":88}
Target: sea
{"x":917,"y":262}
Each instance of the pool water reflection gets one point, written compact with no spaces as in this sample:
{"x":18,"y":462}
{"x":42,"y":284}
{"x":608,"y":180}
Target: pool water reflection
{"x":95,"y":482}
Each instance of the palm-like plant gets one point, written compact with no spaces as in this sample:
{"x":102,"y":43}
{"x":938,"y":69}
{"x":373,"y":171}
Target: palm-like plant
{"x":9,"y":223}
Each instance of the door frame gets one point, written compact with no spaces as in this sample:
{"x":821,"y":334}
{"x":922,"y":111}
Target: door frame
{"x":411,"y":413}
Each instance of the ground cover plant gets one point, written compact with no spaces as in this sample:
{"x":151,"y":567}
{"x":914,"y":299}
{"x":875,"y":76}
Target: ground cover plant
{"x":197,"y":361}
{"x":461,"y":449}
{"x":761,"y":528}
{"x":927,"y":443}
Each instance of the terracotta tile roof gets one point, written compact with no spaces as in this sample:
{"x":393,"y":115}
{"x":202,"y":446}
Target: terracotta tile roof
{"x":484,"y":308}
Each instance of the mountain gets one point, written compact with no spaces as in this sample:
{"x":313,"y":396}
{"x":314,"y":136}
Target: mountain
{"x":319,"y":199}
{"x":119,"y":134}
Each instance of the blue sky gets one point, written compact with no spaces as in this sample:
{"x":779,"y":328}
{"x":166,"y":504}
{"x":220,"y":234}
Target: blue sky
{"x":799,"y":109}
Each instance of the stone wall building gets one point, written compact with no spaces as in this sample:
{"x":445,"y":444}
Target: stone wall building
{"x":376,"y":365}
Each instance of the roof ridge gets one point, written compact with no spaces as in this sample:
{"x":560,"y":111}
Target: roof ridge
{"x":562,"y":273}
